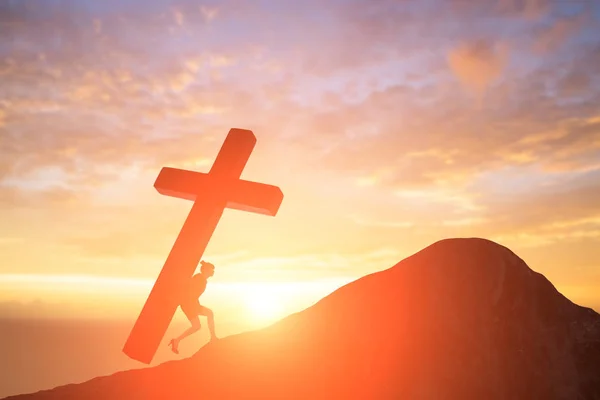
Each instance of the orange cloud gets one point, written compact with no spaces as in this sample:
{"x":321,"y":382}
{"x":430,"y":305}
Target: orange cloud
{"x":479,"y":63}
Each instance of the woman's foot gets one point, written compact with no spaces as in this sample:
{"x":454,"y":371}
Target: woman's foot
{"x":174,"y":343}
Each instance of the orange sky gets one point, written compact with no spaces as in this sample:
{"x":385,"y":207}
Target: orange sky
{"x":387,"y":128}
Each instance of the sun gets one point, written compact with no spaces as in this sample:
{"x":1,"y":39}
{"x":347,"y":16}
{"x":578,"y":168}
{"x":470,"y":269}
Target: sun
{"x":263,"y":306}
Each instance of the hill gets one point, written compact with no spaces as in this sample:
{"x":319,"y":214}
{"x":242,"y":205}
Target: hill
{"x":460,"y":319}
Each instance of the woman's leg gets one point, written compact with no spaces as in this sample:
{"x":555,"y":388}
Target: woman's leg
{"x":195,"y":321}
{"x":192,"y":329}
{"x":210,"y":319}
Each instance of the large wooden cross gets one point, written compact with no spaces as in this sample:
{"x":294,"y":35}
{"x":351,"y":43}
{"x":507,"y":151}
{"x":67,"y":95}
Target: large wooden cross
{"x":211,"y":193}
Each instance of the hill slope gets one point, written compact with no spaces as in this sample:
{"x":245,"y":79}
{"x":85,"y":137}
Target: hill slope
{"x":461,"y":319}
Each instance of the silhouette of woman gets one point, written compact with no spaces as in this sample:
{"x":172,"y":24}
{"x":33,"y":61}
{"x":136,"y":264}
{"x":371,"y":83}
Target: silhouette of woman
{"x":190,"y":305}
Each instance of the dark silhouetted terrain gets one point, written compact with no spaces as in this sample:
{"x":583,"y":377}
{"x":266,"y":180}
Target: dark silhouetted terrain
{"x":461,"y":319}
{"x":43,"y":353}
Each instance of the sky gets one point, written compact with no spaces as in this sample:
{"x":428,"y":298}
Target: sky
{"x":388,"y":125}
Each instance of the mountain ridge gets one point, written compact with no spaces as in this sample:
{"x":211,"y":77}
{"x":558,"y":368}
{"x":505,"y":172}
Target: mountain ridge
{"x":462,"y":318}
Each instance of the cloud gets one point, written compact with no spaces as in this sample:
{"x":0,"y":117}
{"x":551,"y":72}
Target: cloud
{"x":527,"y":9}
{"x":524,"y":127}
{"x":171,"y":90}
{"x":97,"y":25}
{"x":380,"y":223}
{"x":552,"y":37}
{"x":209,"y":13}
{"x":479,"y":63}
{"x":549,"y":212}
{"x":465,"y":221}
{"x":178,"y":16}
{"x":364,"y":113}
{"x":12,"y":197}
{"x":574,"y":84}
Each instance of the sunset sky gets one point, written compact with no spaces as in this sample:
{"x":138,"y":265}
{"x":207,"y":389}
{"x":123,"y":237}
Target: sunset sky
{"x":388,"y":125}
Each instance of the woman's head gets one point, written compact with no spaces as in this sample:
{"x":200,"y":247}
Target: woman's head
{"x":207,"y":268}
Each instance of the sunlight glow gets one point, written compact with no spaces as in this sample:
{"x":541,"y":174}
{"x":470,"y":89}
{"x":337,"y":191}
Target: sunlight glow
{"x":84,"y":295}
{"x":263,"y":306}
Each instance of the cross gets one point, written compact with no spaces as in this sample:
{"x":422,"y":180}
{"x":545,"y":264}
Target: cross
{"x":211,"y":193}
